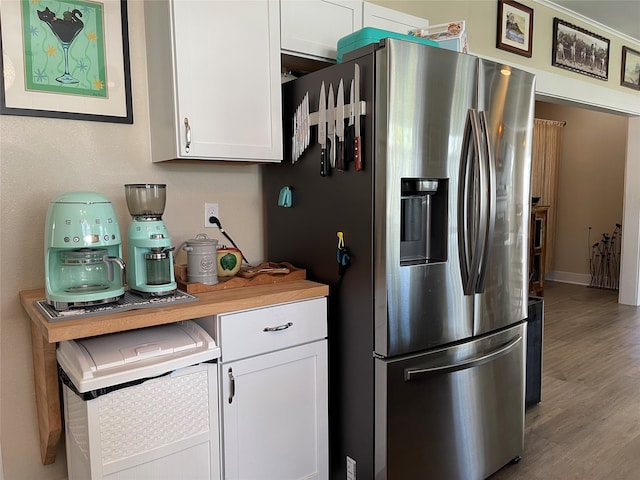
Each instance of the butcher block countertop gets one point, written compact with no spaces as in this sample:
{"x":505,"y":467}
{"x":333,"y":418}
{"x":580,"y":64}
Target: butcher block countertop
{"x":209,"y":303}
{"x":45,"y":335}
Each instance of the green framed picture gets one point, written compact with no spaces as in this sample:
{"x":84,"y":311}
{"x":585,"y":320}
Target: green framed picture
{"x":66,"y":59}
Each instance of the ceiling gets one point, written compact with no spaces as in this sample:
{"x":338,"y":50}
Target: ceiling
{"x":620,"y":15}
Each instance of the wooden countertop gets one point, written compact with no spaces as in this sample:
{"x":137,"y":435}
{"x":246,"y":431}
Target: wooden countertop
{"x":210,"y":303}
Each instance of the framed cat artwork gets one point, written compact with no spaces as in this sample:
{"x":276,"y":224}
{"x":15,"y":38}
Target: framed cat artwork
{"x":66,"y":59}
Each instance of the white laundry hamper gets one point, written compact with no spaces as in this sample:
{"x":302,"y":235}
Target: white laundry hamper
{"x":142,"y":404}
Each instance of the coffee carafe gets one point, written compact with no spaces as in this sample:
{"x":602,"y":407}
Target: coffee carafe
{"x":83,"y":251}
{"x":150,"y":270}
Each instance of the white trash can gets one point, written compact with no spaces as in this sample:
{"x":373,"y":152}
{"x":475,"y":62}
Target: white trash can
{"x":142,"y":404}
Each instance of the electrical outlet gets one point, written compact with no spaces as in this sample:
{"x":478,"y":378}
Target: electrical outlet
{"x":210,"y":210}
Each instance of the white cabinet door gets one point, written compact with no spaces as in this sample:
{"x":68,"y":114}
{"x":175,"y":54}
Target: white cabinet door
{"x":274,"y":409}
{"x":313,"y":27}
{"x":389,"y":19}
{"x":214,"y":79}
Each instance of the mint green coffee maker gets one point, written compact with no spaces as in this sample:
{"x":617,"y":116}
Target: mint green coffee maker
{"x":83,"y":251}
{"x":150,"y":261}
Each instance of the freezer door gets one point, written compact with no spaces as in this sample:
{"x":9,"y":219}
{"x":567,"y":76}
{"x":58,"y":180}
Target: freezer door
{"x":454,"y":413}
{"x":423,"y":95}
{"x":506,"y":105}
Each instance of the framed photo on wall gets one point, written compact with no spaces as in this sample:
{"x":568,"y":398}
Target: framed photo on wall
{"x":65,"y":59}
{"x":630,"y":75}
{"x":579,"y":50}
{"x":515,"y":28}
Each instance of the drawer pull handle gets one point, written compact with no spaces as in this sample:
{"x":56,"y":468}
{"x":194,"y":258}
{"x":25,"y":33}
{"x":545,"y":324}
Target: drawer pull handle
{"x":278,"y":328}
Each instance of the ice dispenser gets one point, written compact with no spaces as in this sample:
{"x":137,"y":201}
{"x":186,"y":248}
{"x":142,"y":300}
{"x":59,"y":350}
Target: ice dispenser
{"x":423,"y":221}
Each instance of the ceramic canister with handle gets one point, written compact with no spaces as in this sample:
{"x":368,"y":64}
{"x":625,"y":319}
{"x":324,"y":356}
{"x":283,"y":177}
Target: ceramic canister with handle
{"x":202,"y":259}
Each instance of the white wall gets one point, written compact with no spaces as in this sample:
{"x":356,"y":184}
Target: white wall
{"x":629,"y":285}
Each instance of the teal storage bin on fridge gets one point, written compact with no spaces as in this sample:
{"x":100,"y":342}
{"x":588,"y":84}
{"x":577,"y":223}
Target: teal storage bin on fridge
{"x":368,"y":35}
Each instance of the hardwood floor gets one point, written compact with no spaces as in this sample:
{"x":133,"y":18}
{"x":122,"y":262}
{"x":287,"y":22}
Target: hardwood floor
{"x":588,"y":423}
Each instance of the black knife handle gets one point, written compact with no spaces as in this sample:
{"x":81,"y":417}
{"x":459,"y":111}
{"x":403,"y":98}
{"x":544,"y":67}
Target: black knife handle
{"x":323,"y":162}
{"x":340,"y":165}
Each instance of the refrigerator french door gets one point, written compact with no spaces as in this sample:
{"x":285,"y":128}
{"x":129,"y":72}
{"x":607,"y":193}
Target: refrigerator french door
{"x":506,"y":99}
{"x":435,"y":226}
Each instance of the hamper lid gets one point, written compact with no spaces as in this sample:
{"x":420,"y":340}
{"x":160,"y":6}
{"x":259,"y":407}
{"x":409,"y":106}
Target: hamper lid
{"x":107,"y":360}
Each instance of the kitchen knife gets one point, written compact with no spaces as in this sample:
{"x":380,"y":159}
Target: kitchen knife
{"x":294,"y":143}
{"x":298,"y":130}
{"x":298,"y":126}
{"x":304,"y":141}
{"x":322,"y":131}
{"x":331,"y":119}
{"x":307,"y":123}
{"x":340,"y":165}
{"x":348,"y":134}
{"x":357,"y":150}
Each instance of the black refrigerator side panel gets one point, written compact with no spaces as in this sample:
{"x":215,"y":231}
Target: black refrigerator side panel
{"x":305,"y":234}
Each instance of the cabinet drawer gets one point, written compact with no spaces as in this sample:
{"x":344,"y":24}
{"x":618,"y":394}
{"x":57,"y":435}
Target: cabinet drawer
{"x":253,"y":332}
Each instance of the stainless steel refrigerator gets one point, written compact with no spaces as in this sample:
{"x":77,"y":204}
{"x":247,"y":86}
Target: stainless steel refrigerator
{"x":424,"y":247}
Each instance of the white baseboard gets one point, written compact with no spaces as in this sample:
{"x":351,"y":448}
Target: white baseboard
{"x":569,"y":277}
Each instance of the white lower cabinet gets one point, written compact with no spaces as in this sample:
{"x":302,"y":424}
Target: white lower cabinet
{"x":274,"y":399}
{"x":274,"y":409}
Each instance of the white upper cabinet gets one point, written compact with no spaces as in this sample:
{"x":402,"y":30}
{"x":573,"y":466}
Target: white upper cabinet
{"x":214,"y":79}
{"x":388,"y":19}
{"x":313,"y":27}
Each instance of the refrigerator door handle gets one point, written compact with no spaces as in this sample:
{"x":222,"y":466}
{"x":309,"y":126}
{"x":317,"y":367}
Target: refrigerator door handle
{"x":413,"y":374}
{"x":488,"y":202}
{"x":472,"y":230}
{"x":463,"y":235}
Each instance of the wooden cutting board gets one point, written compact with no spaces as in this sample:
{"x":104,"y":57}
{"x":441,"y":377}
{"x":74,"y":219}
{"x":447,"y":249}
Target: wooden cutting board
{"x":247,"y":276}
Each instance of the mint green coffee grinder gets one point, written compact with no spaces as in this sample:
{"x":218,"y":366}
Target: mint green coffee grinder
{"x":150,"y":262}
